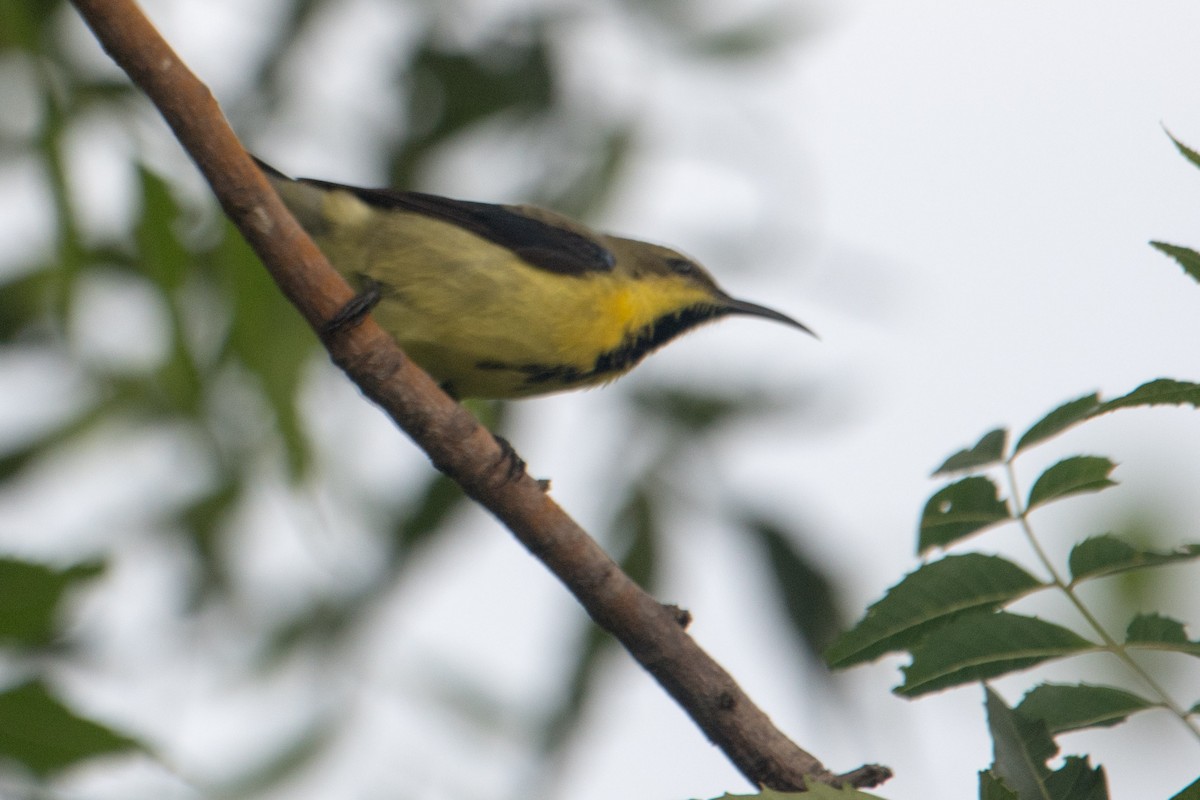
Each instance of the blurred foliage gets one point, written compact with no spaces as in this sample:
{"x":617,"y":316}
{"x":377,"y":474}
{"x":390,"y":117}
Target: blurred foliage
{"x":234,"y":360}
{"x":44,"y":735}
{"x":949,"y":614}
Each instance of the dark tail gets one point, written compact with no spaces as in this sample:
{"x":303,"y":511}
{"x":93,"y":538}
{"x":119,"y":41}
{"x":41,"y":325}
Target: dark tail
{"x":268,"y":170}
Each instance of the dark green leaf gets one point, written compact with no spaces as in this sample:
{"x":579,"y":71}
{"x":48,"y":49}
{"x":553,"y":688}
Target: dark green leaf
{"x":269,"y":338}
{"x":806,"y":591}
{"x":298,"y":752}
{"x":1156,"y":632}
{"x":40,"y":443}
{"x":204,"y":521}
{"x":39,"y":732}
{"x":637,"y":534}
{"x":428,"y":515}
{"x":1076,"y":779}
{"x":30,"y":597}
{"x":1021,"y":748}
{"x":987,"y":451}
{"x":1074,"y":475}
{"x":161,"y":255}
{"x":979,"y":646}
{"x":992,"y":787}
{"x":565,"y":720}
{"x":1058,"y":420}
{"x":699,"y":412}
{"x":1188,"y":153}
{"x":1068,"y":707}
{"x":959,"y":510}
{"x":583,"y":189}
{"x":452,"y":91}
{"x":755,"y":38}
{"x":28,"y":23}
{"x":931,"y":596}
{"x":1186,"y":257}
{"x":1163,"y":391}
{"x":24,"y":301}
{"x":1106,"y":554}
{"x":1189,"y":792}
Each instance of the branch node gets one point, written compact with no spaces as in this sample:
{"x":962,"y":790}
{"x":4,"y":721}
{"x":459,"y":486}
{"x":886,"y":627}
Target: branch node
{"x":865,"y":777}
{"x":682,"y":617}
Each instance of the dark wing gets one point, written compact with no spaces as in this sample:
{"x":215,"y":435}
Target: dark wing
{"x":537,"y":242}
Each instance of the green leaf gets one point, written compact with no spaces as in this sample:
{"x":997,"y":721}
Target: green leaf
{"x":1188,"y":153}
{"x":161,"y":255}
{"x":1074,"y":475}
{"x":959,"y":510}
{"x":204,"y":520}
{"x":1076,"y":779}
{"x":39,"y":732}
{"x":1189,"y":792}
{"x":1106,"y":554}
{"x":1163,"y":391}
{"x":1021,"y":747}
{"x":807,"y":593}
{"x":696,"y":412}
{"x":24,"y":300}
{"x":987,"y":451}
{"x":1186,"y":257}
{"x":30,"y":598}
{"x":452,"y":91}
{"x":428,"y":515}
{"x":635,"y":534}
{"x":269,"y":338}
{"x":760,"y":36}
{"x":984,"y":645}
{"x":635,"y":538}
{"x":1069,"y":707}
{"x":295,"y":754}
{"x":1156,"y":632}
{"x":931,"y":596}
{"x":28,"y":24}
{"x":992,"y":787}
{"x":1058,"y":420}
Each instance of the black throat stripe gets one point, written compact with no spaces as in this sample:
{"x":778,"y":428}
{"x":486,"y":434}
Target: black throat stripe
{"x":621,"y":358}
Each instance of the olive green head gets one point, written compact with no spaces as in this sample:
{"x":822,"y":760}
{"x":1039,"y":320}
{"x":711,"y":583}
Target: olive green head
{"x":679,"y":284}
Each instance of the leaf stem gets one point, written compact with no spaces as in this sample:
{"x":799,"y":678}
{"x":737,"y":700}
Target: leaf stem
{"x":1110,"y":644}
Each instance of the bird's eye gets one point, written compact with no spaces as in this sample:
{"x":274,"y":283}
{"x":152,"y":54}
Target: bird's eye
{"x":681,"y":266}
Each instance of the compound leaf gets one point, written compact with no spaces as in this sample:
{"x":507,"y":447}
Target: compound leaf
{"x":931,"y":596}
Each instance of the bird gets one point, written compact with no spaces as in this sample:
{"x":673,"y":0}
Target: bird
{"x":505,"y":301}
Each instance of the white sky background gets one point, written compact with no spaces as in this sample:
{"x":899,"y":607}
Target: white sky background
{"x":975,"y":186}
{"x":957,"y":197}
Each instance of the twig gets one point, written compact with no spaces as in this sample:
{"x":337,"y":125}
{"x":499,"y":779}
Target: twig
{"x":453,"y":439}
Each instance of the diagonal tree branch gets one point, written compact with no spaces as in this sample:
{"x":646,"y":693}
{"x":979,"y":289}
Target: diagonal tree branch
{"x":453,"y":439}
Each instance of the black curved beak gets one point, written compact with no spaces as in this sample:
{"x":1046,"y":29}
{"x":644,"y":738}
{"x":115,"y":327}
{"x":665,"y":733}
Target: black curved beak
{"x":734,"y":306}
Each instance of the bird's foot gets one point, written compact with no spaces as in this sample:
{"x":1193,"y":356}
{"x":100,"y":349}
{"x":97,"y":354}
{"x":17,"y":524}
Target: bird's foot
{"x":355,"y":311}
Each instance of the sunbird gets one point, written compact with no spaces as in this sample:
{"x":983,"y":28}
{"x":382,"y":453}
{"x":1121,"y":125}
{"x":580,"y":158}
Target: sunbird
{"x":506,"y":301}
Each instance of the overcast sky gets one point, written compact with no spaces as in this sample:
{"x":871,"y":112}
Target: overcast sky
{"x":957,"y":197}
